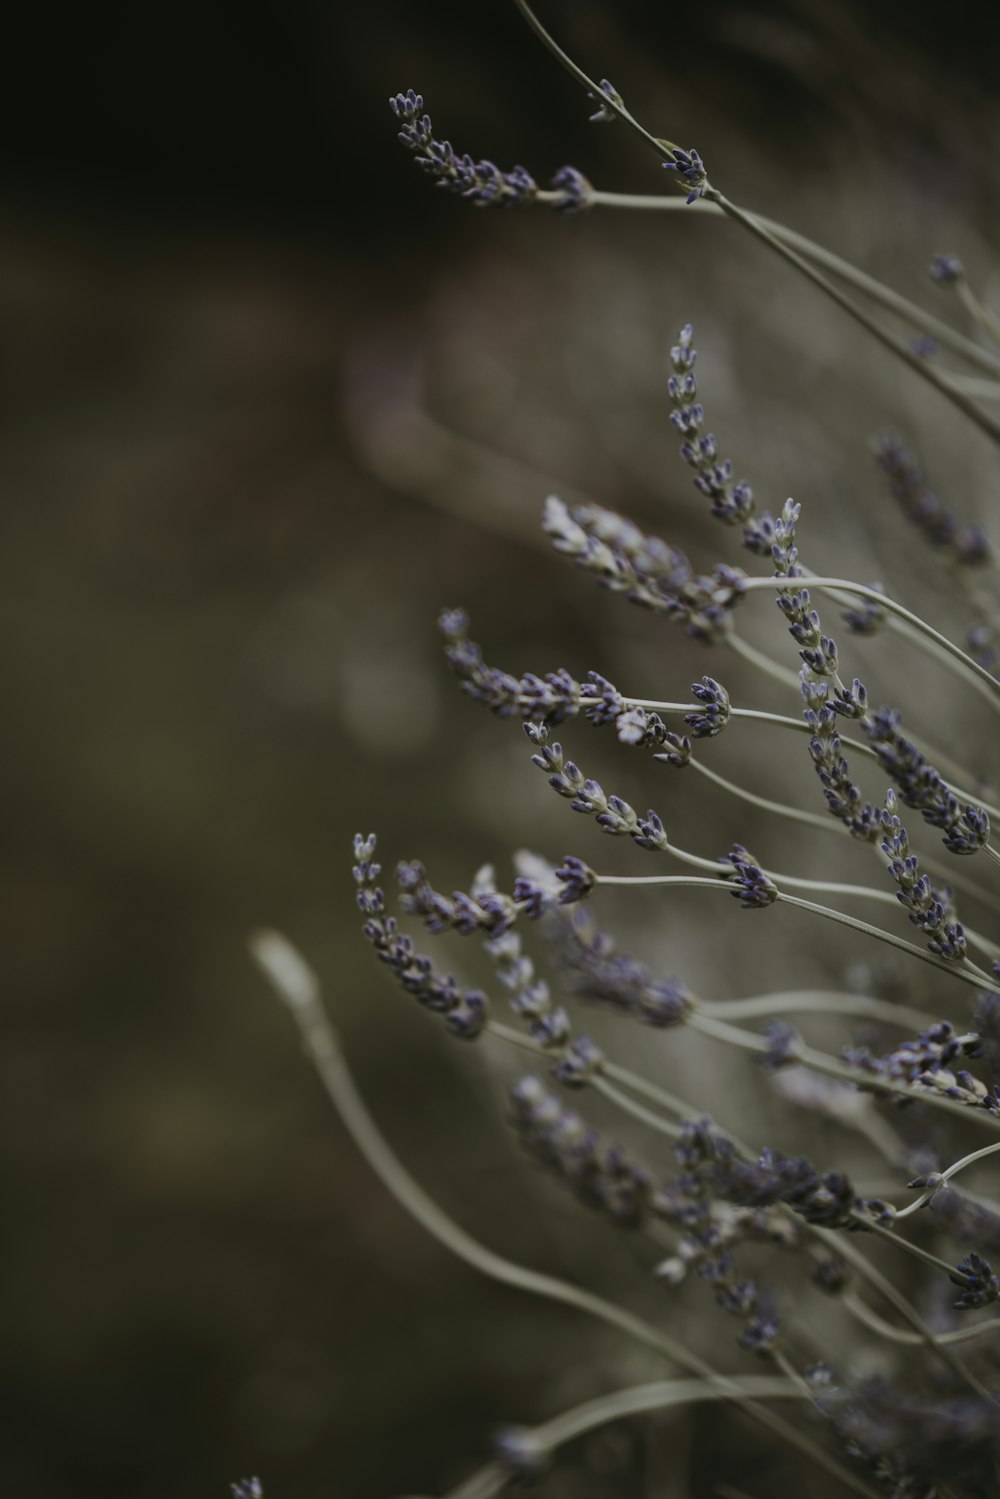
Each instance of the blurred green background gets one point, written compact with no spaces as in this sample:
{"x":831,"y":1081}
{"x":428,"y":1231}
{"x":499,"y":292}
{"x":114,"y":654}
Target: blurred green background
{"x":269,"y":403}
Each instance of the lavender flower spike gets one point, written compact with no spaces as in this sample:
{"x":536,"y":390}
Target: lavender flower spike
{"x":690,"y":170}
{"x":980,"y":1285}
{"x":480,"y":181}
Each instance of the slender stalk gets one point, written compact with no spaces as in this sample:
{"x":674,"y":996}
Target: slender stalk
{"x":653,"y":1091}
{"x":664,"y":149}
{"x":819,"y":1001}
{"x":666,"y":1394}
{"x":976,"y":385}
{"x":913,"y":1249}
{"x":793,"y":1376}
{"x":818,"y":1061}
{"x":968,"y":972}
{"x":783,"y":720}
{"x":298,"y":987}
{"x":890,"y":605}
{"x":893,"y":301}
{"x":780,"y":809}
{"x":848,"y":1250}
{"x":946,"y":1176}
{"x":763,"y":662}
{"x":705,"y":1023}
{"x":922,"y":367}
{"x":982,"y":316}
{"x":615,"y":1094}
{"x":838,"y":1243}
{"x":900,"y":627}
{"x":832,"y":887}
{"x":872,"y":1320}
{"x":932,"y":649}
{"x":829,"y":824}
{"x":637,"y":1110}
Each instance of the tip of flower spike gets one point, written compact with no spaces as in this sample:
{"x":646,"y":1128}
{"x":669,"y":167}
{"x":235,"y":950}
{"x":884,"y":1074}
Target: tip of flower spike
{"x":247,"y":1488}
{"x":283,"y":965}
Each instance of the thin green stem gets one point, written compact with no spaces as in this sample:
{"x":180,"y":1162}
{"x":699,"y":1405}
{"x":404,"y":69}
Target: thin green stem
{"x":900,"y":627}
{"x":910,"y":312}
{"x":783,"y":720}
{"x":794,"y":814}
{"x":834,"y":1242}
{"x":637,"y":1110}
{"x":821,"y":1002}
{"x":666,"y":1394}
{"x":938,"y":653}
{"x":297,"y":986}
{"x":609,"y":1069}
{"x":818,"y":1061}
{"x":922,"y":367}
{"x":763,"y":662}
{"x":828,"y":585}
{"x":912,"y":1249}
{"x":661,"y":147}
{"x":831,"y":824}
{"x":982,"y":316}
{"x":832,"y":887}
{"x":945,"y":1176}
{"x":872,"y":1320}
{"x":968,"y":972}
{"x":600,"y":1084}
{"x":842,"y":1244}
{"x":975,"y":385}
{"x":664,"y":149}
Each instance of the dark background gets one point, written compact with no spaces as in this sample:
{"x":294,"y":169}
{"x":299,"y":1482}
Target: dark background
{"x":269,"y":402}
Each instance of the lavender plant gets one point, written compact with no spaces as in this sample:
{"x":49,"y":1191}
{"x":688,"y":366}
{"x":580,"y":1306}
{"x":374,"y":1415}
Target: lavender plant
{"x":904,"y":1400}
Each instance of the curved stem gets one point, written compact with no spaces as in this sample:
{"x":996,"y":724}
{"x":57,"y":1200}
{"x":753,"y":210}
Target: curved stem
{"x":982,"y":316}
{"x":629,"y":1105}
{"x":946,"y":1176}
{"x":943,"y":333}
{"x":298,"y":987}
{"x":794,"y":814}
{"x":835,"y":1242}
{"x":831,"y":824}
{"x":842,"y":1244}
{"x":600,"y":1082}
{"x":783,"y":720}
{"x":900,"y":627}
{"x":828,"y":585}
{"x":921,"y":367}
{"x":832,"y":887}
{"x":763,"y":662}
{"x":938,"y":653}
{"x":975,"y":385}
{"x":818,"y":1001}
{"x":818,"y":1061}
{"x":637,"y":1400}
{"x":872,"y":1320}
{"x":967,"y":972}
{"x":664,"y":149}
{"x":913,"y":1249}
